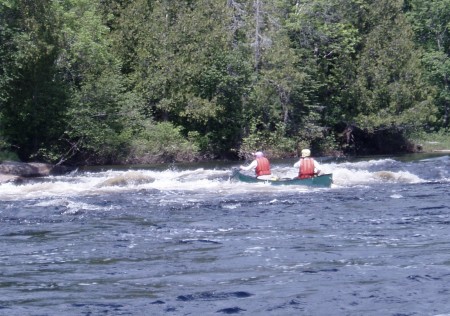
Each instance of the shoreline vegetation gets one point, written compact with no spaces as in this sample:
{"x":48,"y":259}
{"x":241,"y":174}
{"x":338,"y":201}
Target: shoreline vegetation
{"x":13,"y":170}
{"x":361,"y":144}
{"x":142,"y":82}
{"x":433,"y":142}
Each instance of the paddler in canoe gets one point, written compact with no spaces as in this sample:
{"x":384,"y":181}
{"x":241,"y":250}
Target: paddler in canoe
{"x":261,"y":165}
{"x":264,"y":175}
{"x":307,"y":166}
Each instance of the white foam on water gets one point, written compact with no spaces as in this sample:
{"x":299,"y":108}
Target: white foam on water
{"x":198,"y":180}
{"x":349,"y":177}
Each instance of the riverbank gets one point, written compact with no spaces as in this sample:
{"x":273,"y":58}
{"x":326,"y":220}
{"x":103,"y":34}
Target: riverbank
{"x":432,"y":142}
{"x":17,"y":172}
{"x":14,"y":171}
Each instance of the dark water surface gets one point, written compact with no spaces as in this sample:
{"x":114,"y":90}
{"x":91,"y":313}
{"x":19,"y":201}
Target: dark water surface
{"x":188,"y":241}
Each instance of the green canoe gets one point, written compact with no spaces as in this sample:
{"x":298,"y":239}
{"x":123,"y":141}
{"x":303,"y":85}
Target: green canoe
{"x":324,"y":180}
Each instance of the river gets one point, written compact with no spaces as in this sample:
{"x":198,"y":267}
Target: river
{"x":188,"y":240}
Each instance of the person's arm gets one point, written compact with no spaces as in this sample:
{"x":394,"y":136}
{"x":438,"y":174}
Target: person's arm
{"x":317,"y":167}
{"x":250,"y":166}
{"x":297,"y":164}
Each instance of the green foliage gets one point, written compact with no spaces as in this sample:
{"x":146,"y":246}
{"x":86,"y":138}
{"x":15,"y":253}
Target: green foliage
{"x":7,"y":51}
{"x":326,"y":145}
{"x":326,"y":37}
{"x":161,"y":142}
{"x":430,"y":21}
{"x":389,"y":87}
{"x":103,"y":82}
{"x":273,"y":143}
{"x":5,"y":153}
{"x":8,"y":156}
{"x":187,"y":70}
{"x":102,"y":115}
{"x":101,"y":119}
{"x":32,"y":95}
{"x":430,"y":141}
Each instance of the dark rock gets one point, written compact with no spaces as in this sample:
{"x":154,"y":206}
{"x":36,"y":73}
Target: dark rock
{"x":382,"y":141}
{"x":11,"y":170}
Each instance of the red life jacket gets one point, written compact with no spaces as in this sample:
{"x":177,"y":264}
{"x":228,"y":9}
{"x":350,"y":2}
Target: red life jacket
{"x":306,"y":169}
{"x":263,"y":167}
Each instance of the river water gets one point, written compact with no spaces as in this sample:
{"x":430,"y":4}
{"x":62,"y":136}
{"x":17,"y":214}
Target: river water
{"x":187,"y":240}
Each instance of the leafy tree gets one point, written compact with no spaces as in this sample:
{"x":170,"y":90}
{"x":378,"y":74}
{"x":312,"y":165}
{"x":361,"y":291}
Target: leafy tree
{"x":99,"y":82}
{"x":430,"y":20}
{"x":186,"y":69}
{"x":100,"y":116}
{"x":8,"y":48}
{"x":63,"y":91}
{"x":32,"y":93}
{"x":389,"y":89}
{"x":161,"y":142}
{"x":278,"y":85}
{"x":325,"y":38}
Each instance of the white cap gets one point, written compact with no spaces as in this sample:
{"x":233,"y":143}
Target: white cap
{"x":306,"y":153}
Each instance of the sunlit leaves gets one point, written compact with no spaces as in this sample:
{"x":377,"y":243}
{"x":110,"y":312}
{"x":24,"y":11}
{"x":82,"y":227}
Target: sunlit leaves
{"x":431,"y":24}
{"x":389,"y":75}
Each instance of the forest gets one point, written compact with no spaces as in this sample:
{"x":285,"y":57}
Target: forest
{"x":148,"y":81}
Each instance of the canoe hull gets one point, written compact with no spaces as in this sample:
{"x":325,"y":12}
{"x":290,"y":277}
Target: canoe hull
{"x":324,"y":180}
